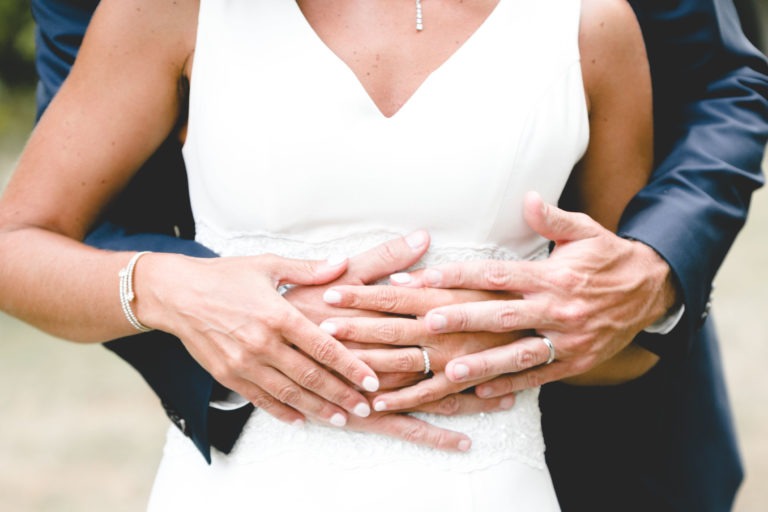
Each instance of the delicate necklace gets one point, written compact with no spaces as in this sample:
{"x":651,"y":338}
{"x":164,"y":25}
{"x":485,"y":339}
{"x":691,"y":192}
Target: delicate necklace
{"x":419,"y":18}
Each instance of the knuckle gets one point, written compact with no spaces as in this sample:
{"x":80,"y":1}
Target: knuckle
{"x":450,"y":405}
{"x":495,"y":274}
{"x":386,"y":299}
{"x":415,"y":433}
{"x":311,"y":378}
{"x":386,"y":254}
{"x":288,"y":394}
{"x":324,"y":351}
{"x":506,"y":316}
{"x":533,"y":380}
{"x":389,"y":332}
{"x":260,"y":400}
{"x":426,"y":395}
{"x":525,"y":358}
{"x":406,"y":362}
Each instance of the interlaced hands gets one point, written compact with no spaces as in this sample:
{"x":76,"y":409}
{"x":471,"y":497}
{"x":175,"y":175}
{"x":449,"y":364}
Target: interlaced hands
{"x":591,"y":297}
{"x":268,"y":348}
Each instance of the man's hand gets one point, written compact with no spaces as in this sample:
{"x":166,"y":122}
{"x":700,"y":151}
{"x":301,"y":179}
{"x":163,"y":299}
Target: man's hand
{"x":591,"y":297}
{"x":253,"y":341}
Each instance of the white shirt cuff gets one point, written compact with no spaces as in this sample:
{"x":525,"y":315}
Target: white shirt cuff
{"x":229,"y":403}
{"x":666,"y":323}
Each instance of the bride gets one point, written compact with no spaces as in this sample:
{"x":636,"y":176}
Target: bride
{"x":314,"y":128}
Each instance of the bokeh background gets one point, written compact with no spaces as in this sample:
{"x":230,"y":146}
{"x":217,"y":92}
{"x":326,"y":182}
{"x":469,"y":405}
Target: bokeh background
{"x":80,"y":431}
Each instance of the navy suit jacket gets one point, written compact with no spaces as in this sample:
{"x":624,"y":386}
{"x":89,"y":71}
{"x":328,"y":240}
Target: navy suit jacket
{"x":662,"y":442}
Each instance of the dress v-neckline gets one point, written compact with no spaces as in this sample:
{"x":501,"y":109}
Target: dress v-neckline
{"x":360,"y":87}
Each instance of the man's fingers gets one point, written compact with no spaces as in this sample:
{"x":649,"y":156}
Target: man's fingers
{"x":490,"y":316}
{"x":527,"y":379}
{"x":459,"y":404}
{"x":517,"y":356}
{"x":412,"y":430}
{"x":513,"y":276}
{"x":386,"y":258}
{"x":555,"y":224}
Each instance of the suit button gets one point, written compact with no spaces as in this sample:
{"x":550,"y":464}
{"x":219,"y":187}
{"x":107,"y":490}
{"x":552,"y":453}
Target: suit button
{"x":175,"y":418}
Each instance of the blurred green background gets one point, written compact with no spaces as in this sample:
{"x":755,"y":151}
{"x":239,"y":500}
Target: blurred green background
{"x":80,"y":431}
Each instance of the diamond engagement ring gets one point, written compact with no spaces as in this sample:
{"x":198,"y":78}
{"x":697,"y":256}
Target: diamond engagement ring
{"x":427,"y":365}
{"x":551,"y":348}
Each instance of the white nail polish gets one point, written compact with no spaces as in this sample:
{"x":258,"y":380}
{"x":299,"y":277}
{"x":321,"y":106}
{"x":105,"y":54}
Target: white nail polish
{"x":416,"y":240}
{"x":459,"y":370}
{"x":298,"y":423}
{"x":437,"y":322}
{"x":338,"y":420}
{"x":465,"y":445}
{"x":332,"y":297}
{"x":371,"y":384}
{"x":336,"y":260}
{"x":380,"y":406}
{"x":362,"y":410}
{"x":329,"y":327}
{"x":401,"y":278}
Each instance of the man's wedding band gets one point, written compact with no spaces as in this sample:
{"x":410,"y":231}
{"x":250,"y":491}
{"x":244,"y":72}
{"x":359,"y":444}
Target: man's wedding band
{"x":427,"y":364}
{"x":551,"y":348}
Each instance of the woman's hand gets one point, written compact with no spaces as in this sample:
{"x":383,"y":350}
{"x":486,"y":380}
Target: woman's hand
{"x":231,"y":318}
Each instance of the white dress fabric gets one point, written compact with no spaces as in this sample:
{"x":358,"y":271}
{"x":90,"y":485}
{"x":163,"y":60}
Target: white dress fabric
{"x":286,"y":153}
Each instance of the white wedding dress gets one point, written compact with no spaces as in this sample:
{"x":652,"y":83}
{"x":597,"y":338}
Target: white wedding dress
{"x":286,"y":153}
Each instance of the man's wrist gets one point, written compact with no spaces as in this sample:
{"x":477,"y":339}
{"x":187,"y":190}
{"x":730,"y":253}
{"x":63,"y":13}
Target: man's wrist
{"x":668,"y":308}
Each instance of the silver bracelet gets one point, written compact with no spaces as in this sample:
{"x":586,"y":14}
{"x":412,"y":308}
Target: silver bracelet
{"x":126,"y":292}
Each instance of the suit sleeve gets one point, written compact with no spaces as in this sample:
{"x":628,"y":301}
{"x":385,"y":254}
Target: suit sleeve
{"x":152,"y":214}
{"x":711,"y":122}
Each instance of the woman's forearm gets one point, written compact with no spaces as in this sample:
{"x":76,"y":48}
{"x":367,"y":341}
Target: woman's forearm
{"x":60,"y":285}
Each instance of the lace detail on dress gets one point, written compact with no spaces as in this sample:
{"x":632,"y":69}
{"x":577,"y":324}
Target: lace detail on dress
{"x":496,"y":437}
{"x":255,"y":242}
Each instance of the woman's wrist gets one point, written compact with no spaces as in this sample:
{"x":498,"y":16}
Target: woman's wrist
{"x":157,"y":278}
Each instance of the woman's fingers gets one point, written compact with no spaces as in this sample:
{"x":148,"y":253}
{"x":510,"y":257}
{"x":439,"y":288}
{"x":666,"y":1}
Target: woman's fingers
{"x":395,"y":360}
{"x":386,"y":258}
{"x":490,"y":316}
{"x":327,"y":351}
{"x":515,"y":357}
{"x":385,"y":331}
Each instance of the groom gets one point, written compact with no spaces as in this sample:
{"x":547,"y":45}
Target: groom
{"x":663,"y":442}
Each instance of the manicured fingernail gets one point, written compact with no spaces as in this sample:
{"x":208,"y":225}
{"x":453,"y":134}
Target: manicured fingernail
{"x":362,"y":410}
{"x":508,"y":402}
{"x":371,"y":384}
{"x":338,"y":420}
{"x":460,"y":371}
{"x":329,"y":327}
{"x":380,"y":406}
{"x":416,"y":240}
{"x":332,"y":297}
{"x":336,"y":260}
{"x":433,"y":277}
{"x":401,"y":278}
{"x":465,"y":445}
{"x":436,"y":321}
{"x":298,"y":423}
